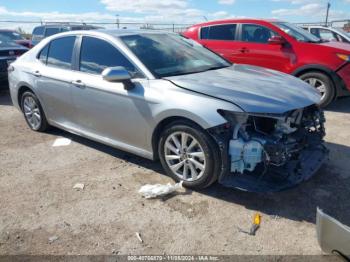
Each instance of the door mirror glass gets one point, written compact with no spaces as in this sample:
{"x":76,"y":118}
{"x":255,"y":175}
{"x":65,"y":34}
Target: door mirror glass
{"x":277,"y":40}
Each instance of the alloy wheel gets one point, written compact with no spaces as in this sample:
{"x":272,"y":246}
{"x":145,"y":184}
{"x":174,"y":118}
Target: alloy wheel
{"x":318,"y":84}
{"x":185,"y":156}
{"x":32,"y":112}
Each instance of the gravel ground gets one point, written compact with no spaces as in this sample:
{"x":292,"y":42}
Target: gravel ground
{"x":38,"y":202}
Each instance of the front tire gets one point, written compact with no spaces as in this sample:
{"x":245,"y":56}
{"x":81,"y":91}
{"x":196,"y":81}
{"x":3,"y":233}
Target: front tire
{"x":33,"y":112}
{"x":189,"y":154}
{"x":323,"y":84}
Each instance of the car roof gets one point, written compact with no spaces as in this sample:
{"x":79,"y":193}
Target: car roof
{"x":239,"y":20}
{"x":7,"y":30}
{"x":114,"y":32}
{"x":67,"y":25}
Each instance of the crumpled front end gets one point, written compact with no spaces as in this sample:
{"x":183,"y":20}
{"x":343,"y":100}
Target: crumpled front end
{"x":268,"y":153}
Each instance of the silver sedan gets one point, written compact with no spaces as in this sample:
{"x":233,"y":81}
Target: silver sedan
{"x":162,"y":96}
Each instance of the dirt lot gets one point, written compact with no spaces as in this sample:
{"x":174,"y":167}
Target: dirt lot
{"x":38,"y":200}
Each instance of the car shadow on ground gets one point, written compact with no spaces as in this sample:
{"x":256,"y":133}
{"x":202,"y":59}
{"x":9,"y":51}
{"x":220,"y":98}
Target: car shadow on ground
{"x":328,"y":189}
{"x":341,"y":105}
{"x":5,"y":98}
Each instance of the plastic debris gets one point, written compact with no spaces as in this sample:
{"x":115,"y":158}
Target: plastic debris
{"x":79,"y":186}
{"x":53,"y":239}
{"x":255,"y":226}
{"x":138,"y":235}
{"x":61,"y":141}
{"x":153,"y":191}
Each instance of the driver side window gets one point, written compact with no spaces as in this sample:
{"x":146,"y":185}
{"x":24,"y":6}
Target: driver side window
{"x":256,"y":34}
{"x":96,"y":55}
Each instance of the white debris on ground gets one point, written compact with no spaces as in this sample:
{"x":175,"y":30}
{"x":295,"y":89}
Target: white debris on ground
{"x":62,"y":141}
{"x":53,"y":239}
{"x":138,"y":235}
{"x":153,"y":191}
{"x":79,"y":186}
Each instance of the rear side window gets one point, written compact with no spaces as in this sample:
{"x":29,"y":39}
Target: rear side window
{"x":38,"y":30}
{"x":219,"y":32}
{"x":60,"y":52}
{"x":315,"y":31}
{"x":256,"y":33}
{"x":96,"y":55}
{"x":51,"y":31}
{"x":327,"y":35}
{"x":43,"y":54}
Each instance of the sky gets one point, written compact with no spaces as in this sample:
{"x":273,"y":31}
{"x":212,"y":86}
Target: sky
{"x":166,"y":11}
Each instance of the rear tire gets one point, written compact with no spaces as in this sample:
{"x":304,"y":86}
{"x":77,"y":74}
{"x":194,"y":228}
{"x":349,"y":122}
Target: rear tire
{"x":33,"y":112}
{"x":323,"y":83}
{"x":189,"y":154}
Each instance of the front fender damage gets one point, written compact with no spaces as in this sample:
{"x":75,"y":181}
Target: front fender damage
{"x":269,"y":153}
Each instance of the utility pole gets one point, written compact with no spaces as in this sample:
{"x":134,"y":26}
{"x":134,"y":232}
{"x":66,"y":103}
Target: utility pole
{"x":328,"y":7}
{"x":117,"y":21}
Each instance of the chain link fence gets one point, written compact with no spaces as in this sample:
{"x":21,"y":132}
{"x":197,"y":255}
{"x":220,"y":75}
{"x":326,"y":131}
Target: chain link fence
{"x":27,"y":26}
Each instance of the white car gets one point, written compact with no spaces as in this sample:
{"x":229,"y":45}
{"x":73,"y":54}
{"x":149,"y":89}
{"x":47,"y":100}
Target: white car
{"x":329,"y":33}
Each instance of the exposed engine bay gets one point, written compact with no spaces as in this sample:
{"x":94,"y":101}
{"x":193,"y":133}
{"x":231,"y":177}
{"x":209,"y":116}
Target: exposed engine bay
{"x":272,"y":152}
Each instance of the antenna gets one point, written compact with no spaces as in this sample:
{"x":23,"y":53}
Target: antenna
{"x":328,"y":7}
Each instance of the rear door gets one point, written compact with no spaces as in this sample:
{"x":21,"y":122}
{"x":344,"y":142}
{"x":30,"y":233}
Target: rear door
{"x":256,"y":50}
{"x":53,"y":79}
{"x":221,"y":39}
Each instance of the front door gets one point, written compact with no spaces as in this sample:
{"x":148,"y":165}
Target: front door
{"x":106,"y":110}
{"x":256,"y":50}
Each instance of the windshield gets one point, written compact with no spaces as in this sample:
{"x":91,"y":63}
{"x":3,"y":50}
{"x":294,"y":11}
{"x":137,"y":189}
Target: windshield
{"x":7,"y":42}
{"x":297,"y":32}
{"x":169,"y":54}
{"x":11,"y":35}
{"x":342,"y":31}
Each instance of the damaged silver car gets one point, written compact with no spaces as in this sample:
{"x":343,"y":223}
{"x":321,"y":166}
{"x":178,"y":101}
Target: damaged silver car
{"x":162,"y":96}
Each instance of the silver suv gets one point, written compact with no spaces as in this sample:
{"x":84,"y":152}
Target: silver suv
{"x":162,"y":96}
{"x":43,"y":31}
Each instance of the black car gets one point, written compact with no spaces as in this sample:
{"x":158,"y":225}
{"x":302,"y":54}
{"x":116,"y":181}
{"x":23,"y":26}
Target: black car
{"x":9,"y":51}
{"x":16,"y":37}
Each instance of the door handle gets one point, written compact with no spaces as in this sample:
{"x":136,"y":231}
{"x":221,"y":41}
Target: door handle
{"x":37,"y":73}
{"x":78,"y":83}
{"x":244,"y":50}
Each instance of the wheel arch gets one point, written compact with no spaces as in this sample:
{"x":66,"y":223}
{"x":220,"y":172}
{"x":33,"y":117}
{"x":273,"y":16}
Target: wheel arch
{"x":162,"y":125}
{"x":21,"y":90}
{"x":336,"y":80}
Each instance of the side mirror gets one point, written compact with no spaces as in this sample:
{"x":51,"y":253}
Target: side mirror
{"x":118,"y":74}
{"x":277,"y":40}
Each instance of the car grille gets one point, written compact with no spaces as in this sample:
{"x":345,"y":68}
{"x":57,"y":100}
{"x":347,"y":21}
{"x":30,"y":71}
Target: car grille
{"x":12,"y":52}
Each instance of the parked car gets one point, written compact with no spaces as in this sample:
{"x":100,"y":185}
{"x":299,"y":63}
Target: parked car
{"x":204,"y":118}
{"x":9,"y":51}
{"x":41,"y":32}
{"x":281,"y":46}
{"x":333,"y":236}
{"x":16,"y":37}
{"x":329,"y":33}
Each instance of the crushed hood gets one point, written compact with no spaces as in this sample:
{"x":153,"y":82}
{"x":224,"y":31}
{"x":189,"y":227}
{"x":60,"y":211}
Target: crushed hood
{"x":254,"y":89}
